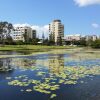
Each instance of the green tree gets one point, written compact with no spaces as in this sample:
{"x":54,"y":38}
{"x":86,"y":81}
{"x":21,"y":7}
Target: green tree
{"x":35,"y":41}
{"x":96,"y":44}
{"x":9,"y":40}
{"x":25,"y":37}
{"x":59,"y":41}
{"x":89,"y":42}
{"x":20,"y":42}
{"x":51,"y":39}
{"x":5,"y":28}
{"x":83,"y":42}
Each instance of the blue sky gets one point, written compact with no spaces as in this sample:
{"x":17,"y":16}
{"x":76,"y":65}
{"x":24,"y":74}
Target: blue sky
{"x":78,"y":16}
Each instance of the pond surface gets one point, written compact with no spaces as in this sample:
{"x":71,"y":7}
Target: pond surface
{"x":50,"y":76}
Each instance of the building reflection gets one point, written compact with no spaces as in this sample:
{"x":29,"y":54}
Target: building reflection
{"x":56,"y":64}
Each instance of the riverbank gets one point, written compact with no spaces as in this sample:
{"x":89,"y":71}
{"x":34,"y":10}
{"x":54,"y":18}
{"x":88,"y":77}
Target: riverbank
{"x":27,"y":50}
{"x":34,"y":48}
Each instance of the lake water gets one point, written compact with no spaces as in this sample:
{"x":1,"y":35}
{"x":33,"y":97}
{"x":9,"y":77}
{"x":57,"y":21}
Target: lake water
{"x":50,"y":76}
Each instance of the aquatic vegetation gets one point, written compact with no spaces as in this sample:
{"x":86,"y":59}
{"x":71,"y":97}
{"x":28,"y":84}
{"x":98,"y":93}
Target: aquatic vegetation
{"x":5,"y":69}
{"x":47,"y":75}
{"x":18,"y":83}
{"x":35,"y":81}
{"x":53,"y":95}
{"x":70,"y":82}
{"x":28,"y":90}
{"x":22,"y":90}
{"x":61,"y":81}
{"x":66,"y":75}
{"x":40,"y":73}
{"x":8,"y":78}
{"x":36,"y":88}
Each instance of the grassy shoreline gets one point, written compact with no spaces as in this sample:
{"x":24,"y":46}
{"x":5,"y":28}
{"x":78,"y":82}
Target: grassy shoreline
{"x":27,"y":50}
{"x":32,"y":48}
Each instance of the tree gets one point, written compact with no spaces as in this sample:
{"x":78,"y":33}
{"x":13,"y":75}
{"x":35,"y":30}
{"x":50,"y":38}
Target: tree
{"x":83,"y":42}
{"x":59,"y":41}
{"x":25,"y":37}
{"x":20,"y":42}
{"x":43,"y":37}
{"x":96,"y":44}
{"x":89,"y":42}
{"x":51,"y":39}
{"x":9,"y":40}
{"x":35,"y":41}
{"x":5,"y":29}
{"x":46,"y":41}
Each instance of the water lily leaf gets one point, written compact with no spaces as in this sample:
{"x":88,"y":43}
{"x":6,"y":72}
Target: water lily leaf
{"x":53,"y":96}
{"x":28,"y":90}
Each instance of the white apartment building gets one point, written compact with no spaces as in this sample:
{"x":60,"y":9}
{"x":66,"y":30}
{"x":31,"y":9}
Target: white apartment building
{"x":94,"y":37}
{"x":99,"y":37}
{"x":91,"y":37}
{"x":18,"y":33}
{"x":56,"y":30}
{"x":75,"y":37}
{"x":25,"y":30}
{"x":88,"y":37}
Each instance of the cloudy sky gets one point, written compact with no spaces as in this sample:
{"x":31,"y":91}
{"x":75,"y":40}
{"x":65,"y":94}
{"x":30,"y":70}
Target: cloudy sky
{"x":78,"y":16}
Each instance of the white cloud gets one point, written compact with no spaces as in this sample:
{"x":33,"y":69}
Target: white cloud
{"x":95,"y":25}
{"x":82,"y":3}
{"x":22,"y":25}
{"x":40,"y":29}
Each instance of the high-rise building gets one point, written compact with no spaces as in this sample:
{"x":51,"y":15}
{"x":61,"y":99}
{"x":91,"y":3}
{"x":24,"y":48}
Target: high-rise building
{"x":56,"y":30}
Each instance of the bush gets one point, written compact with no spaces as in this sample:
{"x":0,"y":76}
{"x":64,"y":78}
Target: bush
{"x":96,"y":44}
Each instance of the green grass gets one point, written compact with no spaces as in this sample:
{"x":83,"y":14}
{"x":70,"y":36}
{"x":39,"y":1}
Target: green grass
{"x":31,"y":48}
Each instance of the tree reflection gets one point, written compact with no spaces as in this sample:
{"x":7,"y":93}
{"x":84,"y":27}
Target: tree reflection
{"x":23,"y":63}
{"x":5,"y":65}
{"x":5,"y":68}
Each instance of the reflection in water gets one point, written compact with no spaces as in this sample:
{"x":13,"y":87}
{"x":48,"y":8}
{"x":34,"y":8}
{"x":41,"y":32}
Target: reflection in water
{"x":5,"y":68}
{"x":15,"y":53}
{"x":5,"y":65}
{"x":56,"y":64}
{"x":46,"y":73}
{"x":23,"y":63}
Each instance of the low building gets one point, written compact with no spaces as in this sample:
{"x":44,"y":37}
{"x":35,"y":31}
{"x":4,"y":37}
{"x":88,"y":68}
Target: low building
{"x":75,"y":37}
{"x":99,"y":37}
{"x":94,"y":37}
{"x":91,"y":37}
{"x":88,"y":37}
